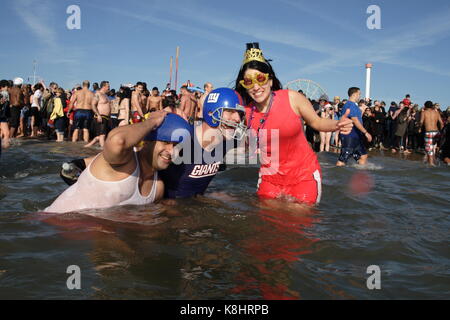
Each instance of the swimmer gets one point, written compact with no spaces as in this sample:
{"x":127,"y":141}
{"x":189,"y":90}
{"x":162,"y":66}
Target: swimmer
{"x":137,"y":109}
{"x":271,"y":110}
{"x":154,"y":102}
{"x":83,"y":100}
{"x":121,"y":176}
{"x":124,"y":106}
{"x":16,"y":104}
{"x":187,"y":104}
{"x":25,"y":112}
{"x":208,"y":87}
{"x":352,"y":144}
{"x":430,"y":117}
{"x":102,"y":108}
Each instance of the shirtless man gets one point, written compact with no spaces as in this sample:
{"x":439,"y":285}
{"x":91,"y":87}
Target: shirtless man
{"x":102,"y":109}
{"x":430,"y":117}
{"x":187,"y":104}
{"x":208,"y":87}
{"x":154,"y":102}
{"x":16,"y":99}
{"x":144,"y":98}
{"x":137,"y":110}
{"x":25,"y":113}
{"x":83,"y":99}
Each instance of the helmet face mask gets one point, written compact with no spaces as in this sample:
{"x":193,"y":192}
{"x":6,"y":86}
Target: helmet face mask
{"x":218,"y":101}
{"x":239,"y":127}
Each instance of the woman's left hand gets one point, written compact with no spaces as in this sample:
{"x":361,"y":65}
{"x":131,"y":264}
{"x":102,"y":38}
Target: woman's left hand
{"x":345,"y":125}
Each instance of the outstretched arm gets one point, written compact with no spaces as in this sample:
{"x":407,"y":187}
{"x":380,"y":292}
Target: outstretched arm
{"x":304,"y":108}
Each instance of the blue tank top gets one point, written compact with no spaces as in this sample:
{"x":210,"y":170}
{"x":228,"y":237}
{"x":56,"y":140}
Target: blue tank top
{"x":187,"y":180}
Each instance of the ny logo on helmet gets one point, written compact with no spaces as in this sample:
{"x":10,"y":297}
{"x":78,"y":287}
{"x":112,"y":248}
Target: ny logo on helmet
{"x":213,"y":97}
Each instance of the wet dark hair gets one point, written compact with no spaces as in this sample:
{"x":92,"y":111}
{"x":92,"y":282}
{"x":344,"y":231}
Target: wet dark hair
{"x":95,"y":86}
{"x":124,"y":93}
{"x":155,"y":88}
{"x":262,"y":67}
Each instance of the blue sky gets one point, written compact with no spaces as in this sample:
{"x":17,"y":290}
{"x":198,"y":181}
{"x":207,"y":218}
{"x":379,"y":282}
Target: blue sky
{"x":325,"y":41}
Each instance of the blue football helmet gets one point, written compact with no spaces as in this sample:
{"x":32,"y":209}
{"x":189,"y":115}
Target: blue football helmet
{"x":173,"y":129}
{"x":222,"y":99}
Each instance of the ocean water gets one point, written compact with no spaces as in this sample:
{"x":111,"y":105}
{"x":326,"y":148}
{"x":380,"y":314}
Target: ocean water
{"x":393,"y":213}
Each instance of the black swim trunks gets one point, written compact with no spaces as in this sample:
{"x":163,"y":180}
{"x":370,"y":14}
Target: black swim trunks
{"x":351,"y":147}
{"x":103,"y":127}
{"x":14,"y":121}
{"x":83,"y":119}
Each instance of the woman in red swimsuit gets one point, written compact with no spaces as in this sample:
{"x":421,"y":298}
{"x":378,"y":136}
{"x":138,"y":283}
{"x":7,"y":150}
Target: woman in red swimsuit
{"x":295,"y":173}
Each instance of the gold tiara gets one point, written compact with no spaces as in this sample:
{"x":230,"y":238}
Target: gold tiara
{"x":254,"y":54}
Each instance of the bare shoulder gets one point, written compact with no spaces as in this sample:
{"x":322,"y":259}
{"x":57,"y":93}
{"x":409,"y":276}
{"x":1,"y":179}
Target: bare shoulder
{"x":98,"y":166}
{"x":295,"y":96}
{"x":159,"y":190}
{"x":298,"y":101}
{"x":103,"y":170}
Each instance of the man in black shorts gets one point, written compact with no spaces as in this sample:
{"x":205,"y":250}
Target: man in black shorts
{"x":102,"y":109}
{"x":16,"y":99}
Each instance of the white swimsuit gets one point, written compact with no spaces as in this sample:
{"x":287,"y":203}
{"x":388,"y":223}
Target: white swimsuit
{"x":92,"y":193}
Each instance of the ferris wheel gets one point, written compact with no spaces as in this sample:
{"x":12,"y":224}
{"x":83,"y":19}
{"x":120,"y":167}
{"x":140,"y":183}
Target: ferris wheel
{"x":311,"y":89}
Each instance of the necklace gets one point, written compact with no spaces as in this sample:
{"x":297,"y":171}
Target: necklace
{"x":263,"y":120}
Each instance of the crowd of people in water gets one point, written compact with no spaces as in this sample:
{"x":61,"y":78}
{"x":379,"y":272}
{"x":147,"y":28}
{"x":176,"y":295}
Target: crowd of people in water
{"x":49,"y":112}
{"x":85,"y":113}
{"x":139,"y":131}
{"x":404,"y":127}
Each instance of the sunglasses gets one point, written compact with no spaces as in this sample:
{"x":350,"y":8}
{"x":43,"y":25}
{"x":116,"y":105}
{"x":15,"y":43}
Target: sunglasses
{"x":259,"y":78}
